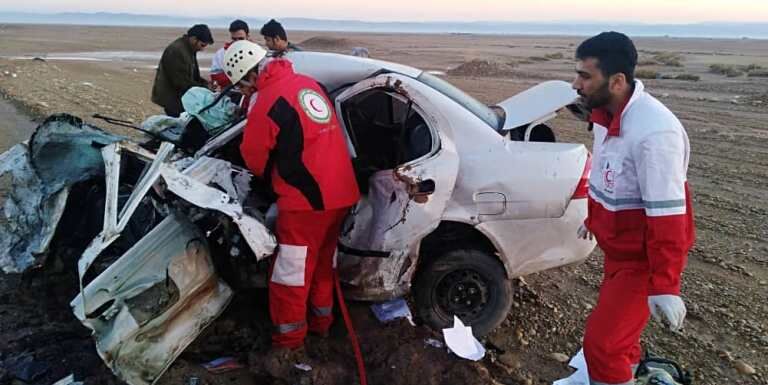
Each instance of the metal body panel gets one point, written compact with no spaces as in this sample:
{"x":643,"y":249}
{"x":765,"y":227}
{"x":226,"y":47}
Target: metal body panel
{"x":501,"y":187}
{"x":139,"y":352}
{"x":536,"y":103}
{"x":153,"y":301}
{"x":62,"y":152}
{"x":397,"y":218}
{"x":533,"y":245}
{"x":336,"y":70}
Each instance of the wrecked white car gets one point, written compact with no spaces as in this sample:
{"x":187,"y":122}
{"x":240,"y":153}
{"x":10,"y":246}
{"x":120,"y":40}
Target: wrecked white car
{"x":458,"y":199}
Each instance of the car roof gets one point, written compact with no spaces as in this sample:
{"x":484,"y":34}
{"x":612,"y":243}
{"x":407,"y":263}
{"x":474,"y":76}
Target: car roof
{"x":335,"y":70}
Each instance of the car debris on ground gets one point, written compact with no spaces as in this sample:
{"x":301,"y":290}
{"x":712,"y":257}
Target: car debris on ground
{"x":462,"y":342}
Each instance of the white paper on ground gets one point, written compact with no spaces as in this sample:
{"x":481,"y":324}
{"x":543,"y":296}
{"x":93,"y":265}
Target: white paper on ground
{"x":581,"y":375}
{"x":462,"y":343}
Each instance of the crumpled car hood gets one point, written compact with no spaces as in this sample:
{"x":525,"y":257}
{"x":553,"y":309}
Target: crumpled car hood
{"x":63,"y":151}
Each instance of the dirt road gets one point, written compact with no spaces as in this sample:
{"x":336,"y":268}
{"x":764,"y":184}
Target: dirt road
{"x":725,"y":284}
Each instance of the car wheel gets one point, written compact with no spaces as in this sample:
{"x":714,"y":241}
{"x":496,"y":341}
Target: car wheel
{"x":470,"y":284}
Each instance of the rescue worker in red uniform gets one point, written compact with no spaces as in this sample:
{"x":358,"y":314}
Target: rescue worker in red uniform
{"x":293,"y":139}
{"x":639,"y":207}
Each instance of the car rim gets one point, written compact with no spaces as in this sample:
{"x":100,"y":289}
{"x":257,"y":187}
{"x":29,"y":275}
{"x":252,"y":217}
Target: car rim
{"x":463,"y":293}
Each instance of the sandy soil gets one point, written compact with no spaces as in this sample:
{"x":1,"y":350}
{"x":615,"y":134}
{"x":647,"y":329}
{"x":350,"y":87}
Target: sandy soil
{"x":725,"y":284}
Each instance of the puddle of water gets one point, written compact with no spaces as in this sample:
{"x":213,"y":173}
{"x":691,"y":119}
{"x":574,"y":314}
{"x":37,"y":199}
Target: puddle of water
{"x":14,"y":126}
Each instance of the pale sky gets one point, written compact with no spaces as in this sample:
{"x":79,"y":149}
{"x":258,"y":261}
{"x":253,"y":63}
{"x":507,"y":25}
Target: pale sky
{"x":649,"y":11}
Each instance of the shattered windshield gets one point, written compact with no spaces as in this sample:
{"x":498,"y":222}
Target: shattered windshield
{"x":471,"y":104}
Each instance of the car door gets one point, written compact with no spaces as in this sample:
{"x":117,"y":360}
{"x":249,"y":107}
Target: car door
{"x":148,"y":305}
{"x":404,"y":204}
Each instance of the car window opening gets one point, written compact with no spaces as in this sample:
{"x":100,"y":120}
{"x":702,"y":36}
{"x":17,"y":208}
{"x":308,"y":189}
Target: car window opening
{"x":386,"y":131}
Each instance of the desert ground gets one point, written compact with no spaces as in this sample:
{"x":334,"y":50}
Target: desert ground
{"x":717,"y":88}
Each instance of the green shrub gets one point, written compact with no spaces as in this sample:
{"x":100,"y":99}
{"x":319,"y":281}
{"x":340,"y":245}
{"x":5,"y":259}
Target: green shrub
{"x":555,"y":56}
{"x":728,"y":70}
{"x":646,"y":74}
{"x":688,"y":77}
{"x":670,"y":59}
{"x":758,"y":73}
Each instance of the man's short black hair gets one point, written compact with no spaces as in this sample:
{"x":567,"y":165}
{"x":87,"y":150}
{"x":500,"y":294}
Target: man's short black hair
{"x":614,"y":51}
{"x":274,"y":29}
{"x":239,"y":25}
{"x":201,"y":32}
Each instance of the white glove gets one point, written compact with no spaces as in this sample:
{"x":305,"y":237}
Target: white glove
{"x":584,"y":233}
{"x":671,"y":306}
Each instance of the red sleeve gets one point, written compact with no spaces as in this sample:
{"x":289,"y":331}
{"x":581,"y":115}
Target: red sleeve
{"x":259,"y":139}
{"x":667,"y":242}
{"x":220,"y":78}
{"x":661,"y":167}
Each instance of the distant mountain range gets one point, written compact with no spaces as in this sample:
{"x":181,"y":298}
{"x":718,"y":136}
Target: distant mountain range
{"x":712,"y":30}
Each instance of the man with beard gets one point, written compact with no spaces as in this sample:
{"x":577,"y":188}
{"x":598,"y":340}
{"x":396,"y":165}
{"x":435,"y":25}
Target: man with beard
{"x":238,"y":30}
{"x":639,"y":207}
{"x":178,"y":70}
{"x":276,"y":39}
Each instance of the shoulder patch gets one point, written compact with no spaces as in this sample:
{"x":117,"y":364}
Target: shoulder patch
{"x":314,"y":105}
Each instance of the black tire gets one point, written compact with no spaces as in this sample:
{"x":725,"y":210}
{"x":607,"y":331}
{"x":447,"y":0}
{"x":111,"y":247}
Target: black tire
{"x":471,"y":284}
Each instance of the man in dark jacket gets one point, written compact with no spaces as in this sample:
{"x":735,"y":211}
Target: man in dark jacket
{"x":293,"y":138}
{"x":276,"y":39}
{"x":178,"y":70}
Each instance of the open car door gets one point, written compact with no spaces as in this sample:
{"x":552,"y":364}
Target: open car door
{"x":405,"y":194}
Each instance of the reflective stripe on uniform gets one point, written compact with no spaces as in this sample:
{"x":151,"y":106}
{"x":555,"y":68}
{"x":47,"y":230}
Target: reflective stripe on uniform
{"x":322,"y":311}
{"x":290,"y":265}
{"x":619,"y":204}
{"x":291,"y":327}
{"x":615,"y":204}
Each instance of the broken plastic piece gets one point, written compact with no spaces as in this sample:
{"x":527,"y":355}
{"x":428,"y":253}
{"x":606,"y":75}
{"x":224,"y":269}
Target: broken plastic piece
{"x":433,"y":343}
{"x":303,"y":367}
{"x":462,"y":343}
{"x":393,"y":309}
{"x":68,"y":380}
{"x":222,"y":365}
{"x":580,"y":376}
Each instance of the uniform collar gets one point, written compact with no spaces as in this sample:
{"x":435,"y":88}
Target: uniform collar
{"x":275,"y":70}
{"x":604,"y":118}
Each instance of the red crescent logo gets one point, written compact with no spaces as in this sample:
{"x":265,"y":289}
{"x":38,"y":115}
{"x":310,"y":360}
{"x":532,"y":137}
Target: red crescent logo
{"x":312,"y":104}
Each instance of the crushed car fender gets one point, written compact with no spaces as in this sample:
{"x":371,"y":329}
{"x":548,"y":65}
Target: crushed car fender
{"x":62,"y":152}
{"x":153,"y":301}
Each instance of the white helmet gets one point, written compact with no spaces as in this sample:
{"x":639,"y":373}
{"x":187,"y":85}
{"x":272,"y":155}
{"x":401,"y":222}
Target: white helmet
{"x":241,"y":57}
